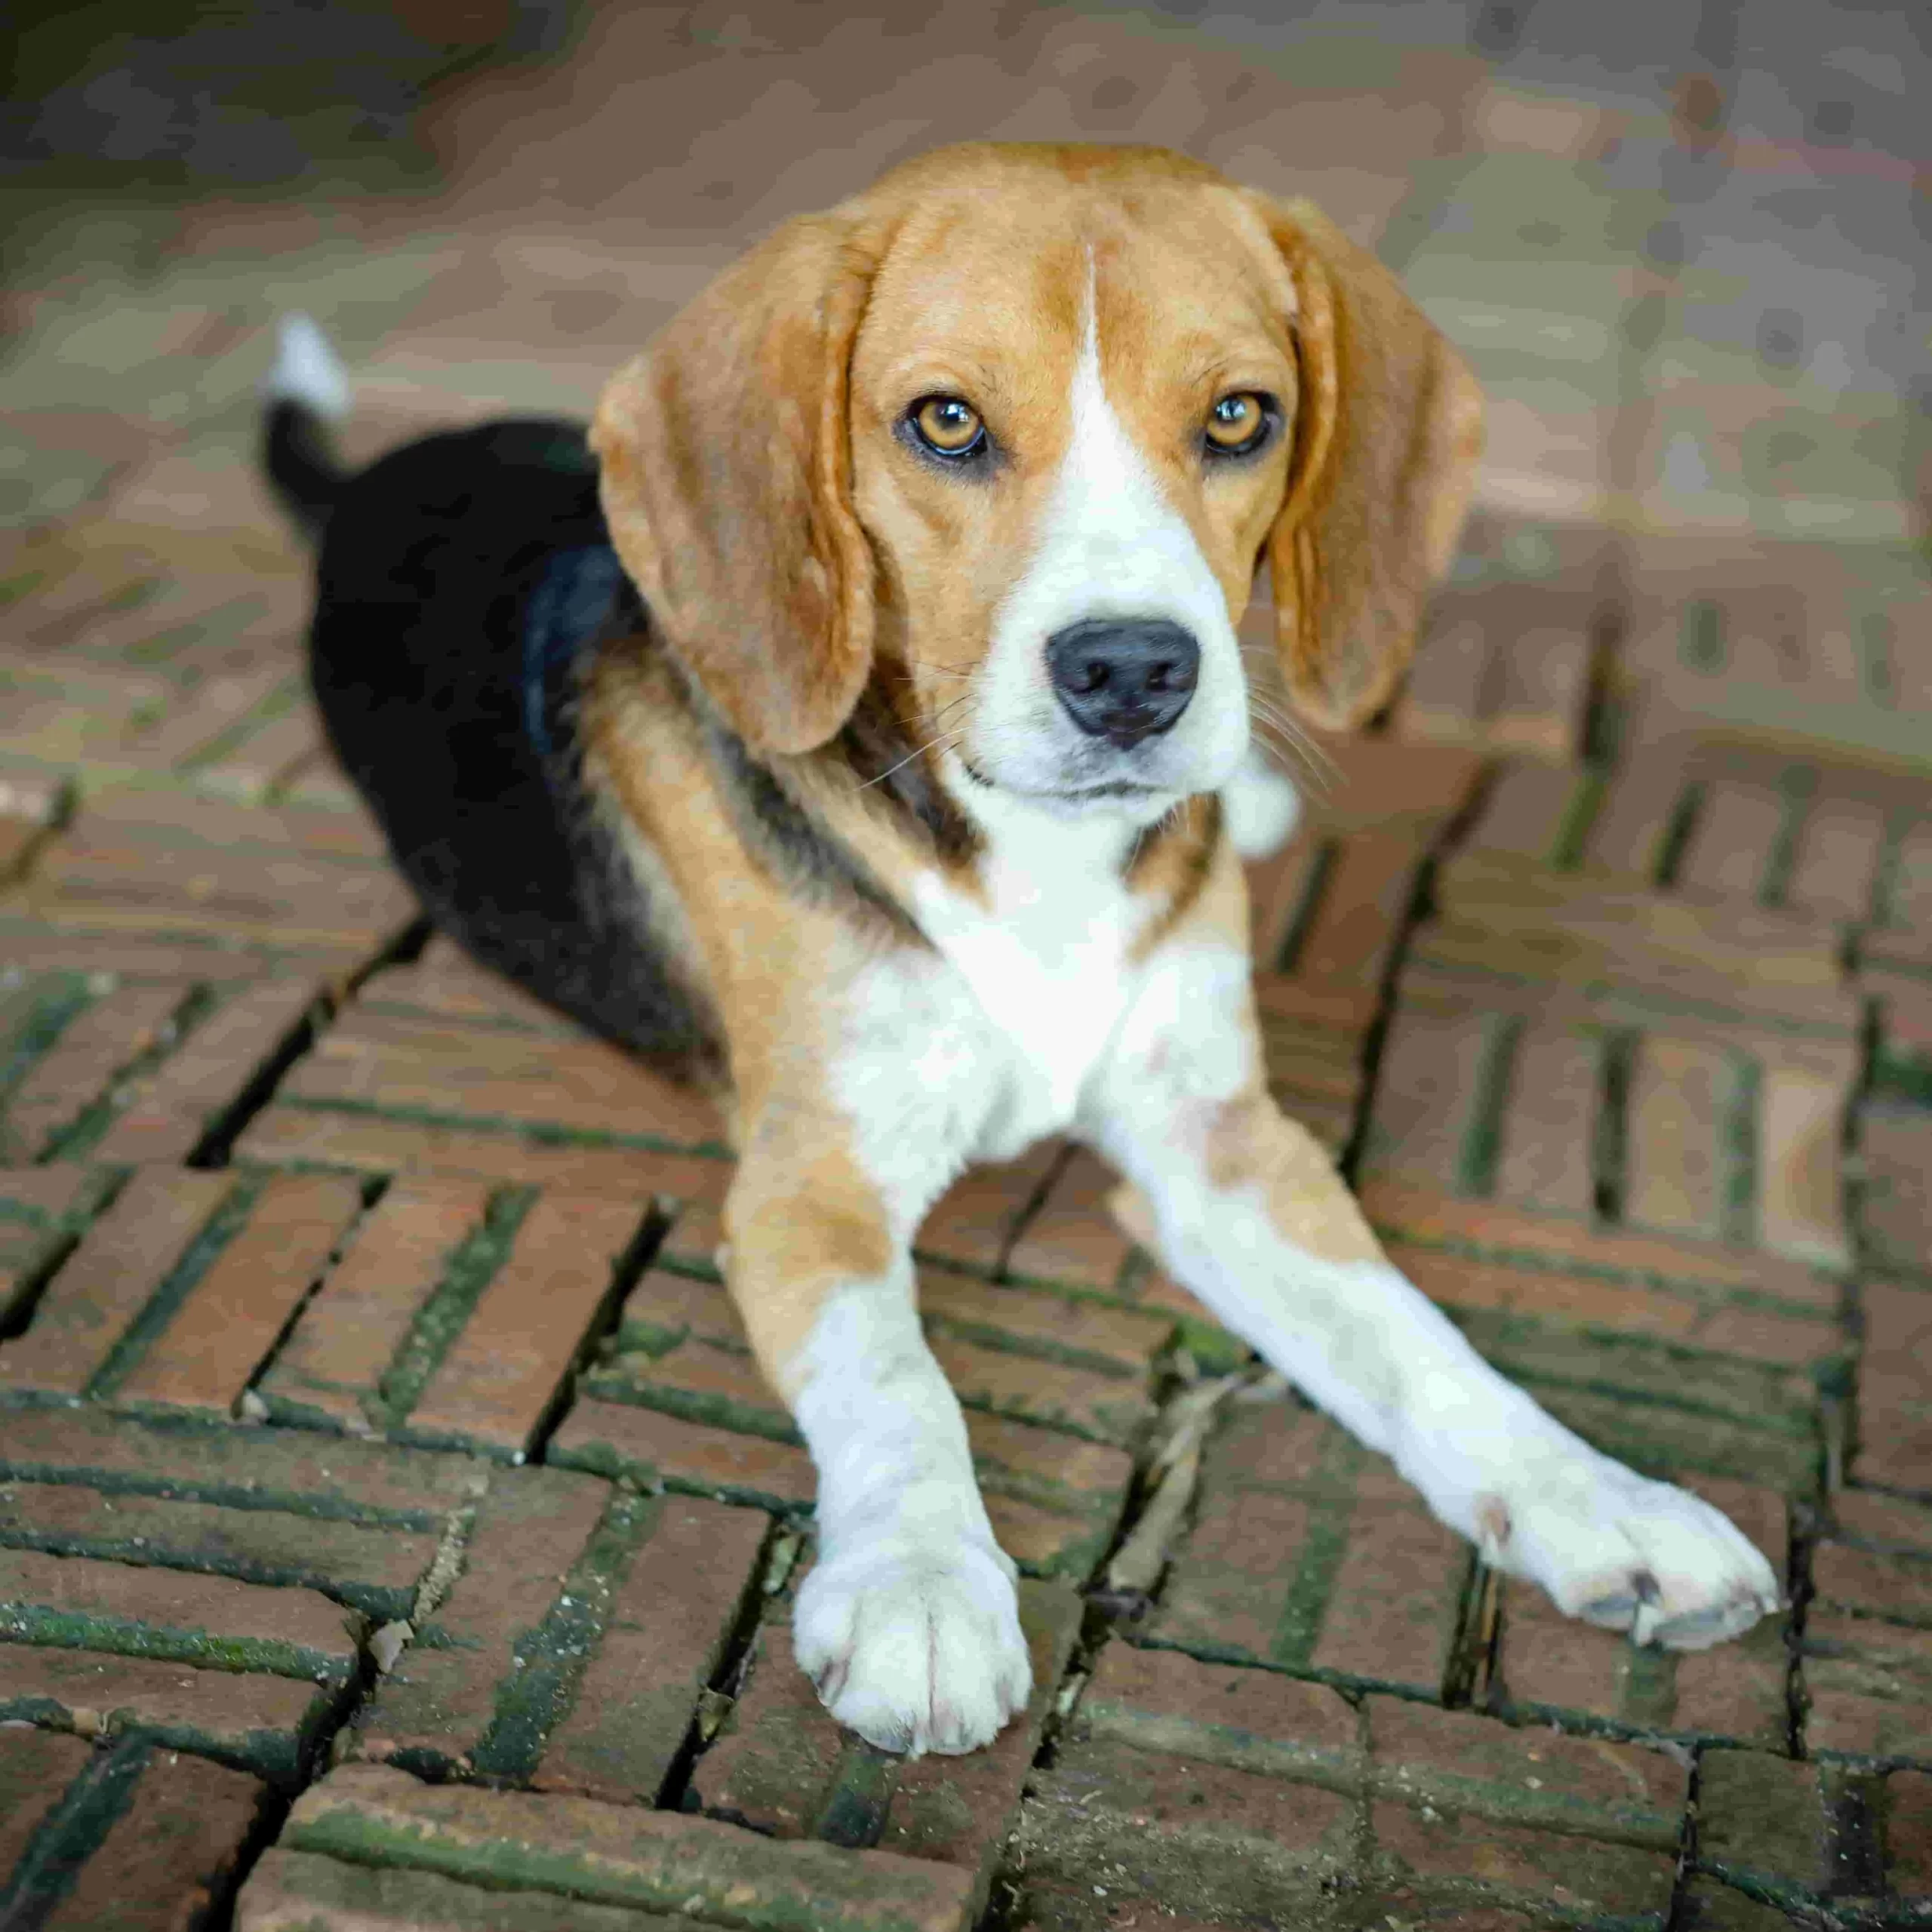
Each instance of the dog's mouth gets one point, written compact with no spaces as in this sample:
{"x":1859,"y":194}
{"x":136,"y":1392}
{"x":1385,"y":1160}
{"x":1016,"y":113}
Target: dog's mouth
{"x":1116,"y":791}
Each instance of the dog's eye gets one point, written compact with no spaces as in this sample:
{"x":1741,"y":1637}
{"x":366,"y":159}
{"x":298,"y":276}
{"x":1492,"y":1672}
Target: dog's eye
{"x":1238,"y":425}
{"x":948,"y":426}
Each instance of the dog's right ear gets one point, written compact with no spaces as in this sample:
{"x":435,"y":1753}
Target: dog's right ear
{"x":726,"y":453}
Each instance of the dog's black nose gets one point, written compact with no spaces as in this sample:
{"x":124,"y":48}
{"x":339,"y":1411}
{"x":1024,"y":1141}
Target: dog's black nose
{"x":1123,"y":678}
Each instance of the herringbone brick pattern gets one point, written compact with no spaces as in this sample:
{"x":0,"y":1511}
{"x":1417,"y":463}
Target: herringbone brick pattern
{"x":394,"y":1530}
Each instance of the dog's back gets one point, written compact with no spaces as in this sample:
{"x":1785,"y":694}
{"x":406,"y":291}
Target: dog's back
{"x":463,"y":584}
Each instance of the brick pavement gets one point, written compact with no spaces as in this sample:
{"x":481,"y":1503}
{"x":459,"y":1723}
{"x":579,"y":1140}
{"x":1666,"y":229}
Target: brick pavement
{"x":394,"y":1532}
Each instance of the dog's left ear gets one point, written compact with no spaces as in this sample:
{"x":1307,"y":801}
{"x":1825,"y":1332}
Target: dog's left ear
{"x":726,"y":460}
{"x":1389,"y":426}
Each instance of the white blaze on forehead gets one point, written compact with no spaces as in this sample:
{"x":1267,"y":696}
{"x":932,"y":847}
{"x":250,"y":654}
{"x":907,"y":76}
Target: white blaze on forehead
{"x":1109,"y":544}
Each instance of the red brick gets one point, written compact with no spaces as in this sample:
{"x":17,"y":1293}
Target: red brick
{"x":36,"y":1766}
{"x":780,"y":1763}
{"x":1030,"y":1318}
{"x":1731,"y":839}
{"x":288,"y":1632}
{"x":973,"y":1223}
{"x":282,"y":899}
{"x":501,"y":1375}
{"x":1165,"y":1701}
{"x":663,"y":1636}
{"x":333,"y":1363}
{"x":1888,"y":1522}
{"x":204,"y":1359}
{"x":1345,"y":946}
{"x":1442,"y":703}
{"x":1278,"y":892}
{"x":438,"y":1702}
{"x":269,"y":1721}
{"x":168,"y":1857}
{"x":1540,"y":690}
{"x":615,"y":1853}
{"x":1868,"y":1687}
{"x":1381,"y":784}
{"x":1679,"y":1091}
{"x":1895,"y":1151}
{"x":144,"y":811}
{"x":1908,"y":1830}
{"x":648,"y":1445}
{"x":168,"y":1111}
{"x":378,"y":1568}
{"x":1431,"y":1066}
{"x":1459,"y":1762}
{"x":1524,"y":813}
{"x":1838,"y":854}
{"x":281,"y":1136}
{"x":109,"y":1279}
{"x":447,"y":982}
{"x":91,"y":1051}
{"x":1072,"y":1237}
{"x":34,"y":1203}
{"x":402,"y":1061}
{"x":1429,"y":1216}
{"x":1873,"y":1584}
{"x":1894,"y":1385}
{"x":1801,"y":1117}
{"x":271,"y":1468}
{"x":1104,"y":1407}
{"x":1545,"y":1151}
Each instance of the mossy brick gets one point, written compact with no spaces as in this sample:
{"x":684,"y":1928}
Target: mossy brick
{"x":438,"y":1705}
{"x":1307,"y":1553}
{"x":331,"y":1367}
{"x":1448,"y":1863}
{"x":268,"y":1725}
{"x":74,"y":1603}
{"x":1187,"y":1835}
{"x":250,"y":1469}
{"x":1711,"y":1905}
{"x":620,"y":1855}
{"x":364,"y":1143}
{"x":1051,"y":1395}
{"x":299,"y":1891}
{"x":105,"y":1284}
{"x":1867,"y":1688}
{"x":1764,"y":1826}
{"x":780,"y":1765}
{"x":664,"y":1630}
{"x":375,"y":1569}
{"x":401,"y":1064}
{"x":1905,"y":1811}
{"x":1457,"y":1762}
{"x":229,"y":1320}
{"x":36,"y":1766}
{"x":1168,"y":1704}
{"x":40,"y":1208}
{"x":507,"y":1367}
{"x":1895,"y":1206}
{"x":167,"y":1110}
{"x":170,"y":1856}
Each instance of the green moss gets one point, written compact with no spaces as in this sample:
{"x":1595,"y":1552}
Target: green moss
{"x":128,"y":1637}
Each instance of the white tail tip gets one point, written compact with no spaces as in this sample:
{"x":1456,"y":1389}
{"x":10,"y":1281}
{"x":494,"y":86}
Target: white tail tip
{"x":306,"y":370}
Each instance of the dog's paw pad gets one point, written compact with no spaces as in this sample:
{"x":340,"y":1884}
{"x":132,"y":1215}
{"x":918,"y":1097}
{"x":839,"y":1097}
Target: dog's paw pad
{"x":915,"y":1651}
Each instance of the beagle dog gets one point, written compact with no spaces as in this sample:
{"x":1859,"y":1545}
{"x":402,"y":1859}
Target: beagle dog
{"x":853,"y":723}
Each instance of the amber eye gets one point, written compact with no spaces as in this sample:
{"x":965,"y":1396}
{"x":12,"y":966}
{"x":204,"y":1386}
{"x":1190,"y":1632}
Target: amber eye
{"x":1237,"y":423}
{"x":948,"y":426}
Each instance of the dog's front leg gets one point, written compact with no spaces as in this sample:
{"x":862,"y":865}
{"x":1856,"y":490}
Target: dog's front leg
{"x":1252,"y":1217}
{"x":908,"y":1622}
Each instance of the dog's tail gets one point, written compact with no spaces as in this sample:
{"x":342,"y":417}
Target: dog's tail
{"x":306,"y":392}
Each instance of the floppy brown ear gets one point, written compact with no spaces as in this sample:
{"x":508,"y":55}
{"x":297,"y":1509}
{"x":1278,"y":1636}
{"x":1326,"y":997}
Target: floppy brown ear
{"x":726,"y":482}
{"x":1388,"y":428}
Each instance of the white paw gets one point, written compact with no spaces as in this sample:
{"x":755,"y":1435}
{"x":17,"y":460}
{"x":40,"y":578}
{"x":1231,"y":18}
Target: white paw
{"x":1615,"y":1548}
{"x":916,"y":1648}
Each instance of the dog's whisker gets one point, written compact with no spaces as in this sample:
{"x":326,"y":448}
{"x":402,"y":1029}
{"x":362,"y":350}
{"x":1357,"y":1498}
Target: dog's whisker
{"x":929,"y":744}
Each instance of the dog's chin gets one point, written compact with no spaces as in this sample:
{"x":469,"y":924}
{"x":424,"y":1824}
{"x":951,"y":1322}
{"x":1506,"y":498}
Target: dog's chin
{"x":1128,"y":800}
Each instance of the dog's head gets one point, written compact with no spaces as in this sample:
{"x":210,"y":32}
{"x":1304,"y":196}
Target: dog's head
{"x":1018,"y":425}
